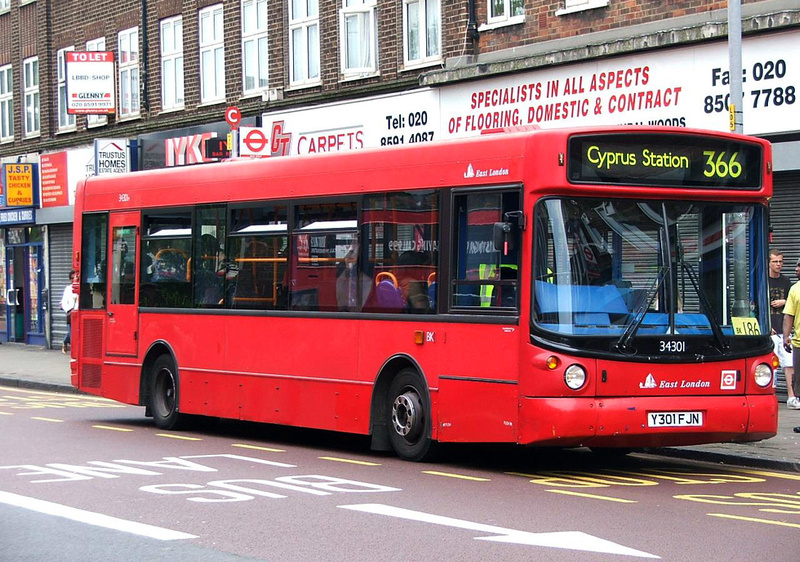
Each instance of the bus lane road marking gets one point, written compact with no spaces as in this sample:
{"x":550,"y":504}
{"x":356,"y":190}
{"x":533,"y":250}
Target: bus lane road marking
{"x":258,"y":448}
{"x":755,"y":520}
{"x":349,"y":461}
{"x":459,"y":476}
{"x":47,"y":419}
{"x":565,"y":482}
{"x":571,"y":540}
{"x":591,"y":496}
{"x":112,"y":428}
{"x":266,"y":487}
{"x":92,"y":518}
{"x":765,"y":502}
{"x":769,"y":474}
{"x":180,"y":437}
{"x":36,"y":400}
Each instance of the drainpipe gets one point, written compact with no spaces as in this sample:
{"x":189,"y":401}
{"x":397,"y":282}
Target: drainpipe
{"x":143,"y":79}
{"x":472,"y":26}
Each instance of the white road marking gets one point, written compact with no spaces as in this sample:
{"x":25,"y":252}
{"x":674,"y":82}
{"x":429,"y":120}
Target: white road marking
{"x":573,"y":540}
{"x":91,"y":518}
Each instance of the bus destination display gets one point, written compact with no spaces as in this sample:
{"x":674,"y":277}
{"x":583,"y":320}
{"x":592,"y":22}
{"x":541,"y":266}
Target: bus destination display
{"x":664,"y":161}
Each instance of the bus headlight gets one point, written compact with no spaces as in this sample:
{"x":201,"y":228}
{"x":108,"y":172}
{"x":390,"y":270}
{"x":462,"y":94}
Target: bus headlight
{"x":575,"y":376}
{"x":763,"y":375}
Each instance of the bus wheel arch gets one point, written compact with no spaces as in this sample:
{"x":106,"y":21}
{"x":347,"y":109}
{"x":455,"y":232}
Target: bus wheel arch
{"x":402,"y":411}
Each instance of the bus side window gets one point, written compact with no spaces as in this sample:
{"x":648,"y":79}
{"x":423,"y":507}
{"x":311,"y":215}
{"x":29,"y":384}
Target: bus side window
{"x":166,"y":265}
{"x":401,"y":235}
{"x":256,"y":268}
{"x":485,"y":277}
{"x":93,"y":262}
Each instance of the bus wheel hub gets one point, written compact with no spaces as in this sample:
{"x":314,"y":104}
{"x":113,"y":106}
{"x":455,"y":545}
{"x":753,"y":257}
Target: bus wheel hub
{"x":406,"y":415}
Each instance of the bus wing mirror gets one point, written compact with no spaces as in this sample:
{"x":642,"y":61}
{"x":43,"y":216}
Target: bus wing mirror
{"x":504,"y":234}
{"x":503,"y":237}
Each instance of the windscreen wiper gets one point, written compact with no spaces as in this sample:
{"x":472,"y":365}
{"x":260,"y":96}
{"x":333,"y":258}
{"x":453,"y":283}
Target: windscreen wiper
{"x":638,"y":315}
{"x":719,"y":338}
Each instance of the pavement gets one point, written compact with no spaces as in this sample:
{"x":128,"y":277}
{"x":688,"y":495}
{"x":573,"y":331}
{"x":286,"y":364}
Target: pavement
{"x":40,"y":368}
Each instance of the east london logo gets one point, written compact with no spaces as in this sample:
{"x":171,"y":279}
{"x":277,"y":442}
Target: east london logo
{"x":651,"y":382}
{"x":473,"y":173}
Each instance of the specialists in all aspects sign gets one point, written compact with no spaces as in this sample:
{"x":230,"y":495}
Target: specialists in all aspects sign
{"x":90,"y":82}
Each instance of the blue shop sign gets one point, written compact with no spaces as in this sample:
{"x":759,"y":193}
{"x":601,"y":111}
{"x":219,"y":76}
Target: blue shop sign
{"x":17,"y":216}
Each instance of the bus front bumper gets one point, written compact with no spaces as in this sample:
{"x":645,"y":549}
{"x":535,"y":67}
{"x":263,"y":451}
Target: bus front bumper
{"x":646,"y":421}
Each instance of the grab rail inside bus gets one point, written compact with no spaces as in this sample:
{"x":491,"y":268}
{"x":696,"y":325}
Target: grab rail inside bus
{"x":386,"y":276}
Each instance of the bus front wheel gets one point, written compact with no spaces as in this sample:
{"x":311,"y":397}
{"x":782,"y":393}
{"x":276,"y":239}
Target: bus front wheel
{"x":164,"y":393}
{"x":409,"y":417}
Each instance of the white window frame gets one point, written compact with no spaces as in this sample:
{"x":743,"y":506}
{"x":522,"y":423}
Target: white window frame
{"x":92,"y":120}
{"x":362,"y":14}
{"x":5,"y":5}
{"x":502,"y":16}
{"x":304,"y":56}
{"x":128,"y":64}
{"x":66,"y":121}
{"x":172,"y":74}
{"x":212,"y":54}
{"x":6,"y":103}
{"x":426,"y":38}
{"x":255,"y":46}
{"x":572,"y":6}
{"x":30,"y":92}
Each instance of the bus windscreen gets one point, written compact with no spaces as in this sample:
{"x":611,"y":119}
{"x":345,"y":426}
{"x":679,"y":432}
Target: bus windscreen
{"x":687,"y":161}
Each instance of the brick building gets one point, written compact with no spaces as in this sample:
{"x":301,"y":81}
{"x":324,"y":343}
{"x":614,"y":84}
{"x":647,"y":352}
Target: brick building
{"x":311,"y":63}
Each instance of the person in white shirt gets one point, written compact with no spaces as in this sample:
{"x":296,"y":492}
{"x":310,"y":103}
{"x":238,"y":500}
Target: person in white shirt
{"x":69,"y":302}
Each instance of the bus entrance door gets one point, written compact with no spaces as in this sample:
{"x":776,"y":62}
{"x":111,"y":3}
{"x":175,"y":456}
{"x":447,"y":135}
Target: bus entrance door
{"x":123,"y":317}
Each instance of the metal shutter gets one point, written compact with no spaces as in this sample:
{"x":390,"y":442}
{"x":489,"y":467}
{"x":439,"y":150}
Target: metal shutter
{"x":785,"y":222}
{"x":60,"y":242}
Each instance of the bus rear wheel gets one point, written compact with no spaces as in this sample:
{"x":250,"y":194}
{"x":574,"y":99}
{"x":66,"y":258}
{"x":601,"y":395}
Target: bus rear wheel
{"x":409,"y":417}
{"x":164,"y":393}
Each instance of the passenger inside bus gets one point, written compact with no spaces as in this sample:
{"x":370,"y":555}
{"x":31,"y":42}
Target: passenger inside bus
{"x":209,"y":278}
{"x":353,"y":285}
{"x":412,"y":274}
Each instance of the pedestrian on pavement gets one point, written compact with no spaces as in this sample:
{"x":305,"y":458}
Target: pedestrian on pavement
{"x":779,"y":286}
{"x":69,"y":302}
{"x":791,"y":334}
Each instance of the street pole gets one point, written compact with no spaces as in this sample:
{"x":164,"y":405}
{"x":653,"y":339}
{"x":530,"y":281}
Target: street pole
{"x":741,"y":304}
{"x":735,"y":62}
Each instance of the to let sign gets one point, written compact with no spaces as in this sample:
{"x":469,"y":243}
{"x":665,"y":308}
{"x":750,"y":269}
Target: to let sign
{"x":19,"y":181}
{"x":90,"y":82}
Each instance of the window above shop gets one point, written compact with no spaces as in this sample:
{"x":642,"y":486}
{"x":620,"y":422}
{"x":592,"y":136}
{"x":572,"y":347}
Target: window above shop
{"x":572,"y":6}
{"x":501,"y":13}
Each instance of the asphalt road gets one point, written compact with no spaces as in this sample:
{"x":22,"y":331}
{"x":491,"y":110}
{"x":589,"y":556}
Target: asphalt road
{"x":82,"y":478}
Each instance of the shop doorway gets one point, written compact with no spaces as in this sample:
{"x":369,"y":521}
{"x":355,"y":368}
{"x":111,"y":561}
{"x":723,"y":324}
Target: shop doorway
{"x":24,"y":310}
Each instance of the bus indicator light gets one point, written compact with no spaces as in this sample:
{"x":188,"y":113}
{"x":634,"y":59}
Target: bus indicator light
{"x":552,"y":362}
{"x":419,"y":337}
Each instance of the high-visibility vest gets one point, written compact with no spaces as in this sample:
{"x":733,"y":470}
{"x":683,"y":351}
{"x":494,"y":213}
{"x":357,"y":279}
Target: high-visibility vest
{"x":488,"y":271}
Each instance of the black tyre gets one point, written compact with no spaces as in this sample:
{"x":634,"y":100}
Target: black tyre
{"x":164,"y":393}
{"x":409,"y":418}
